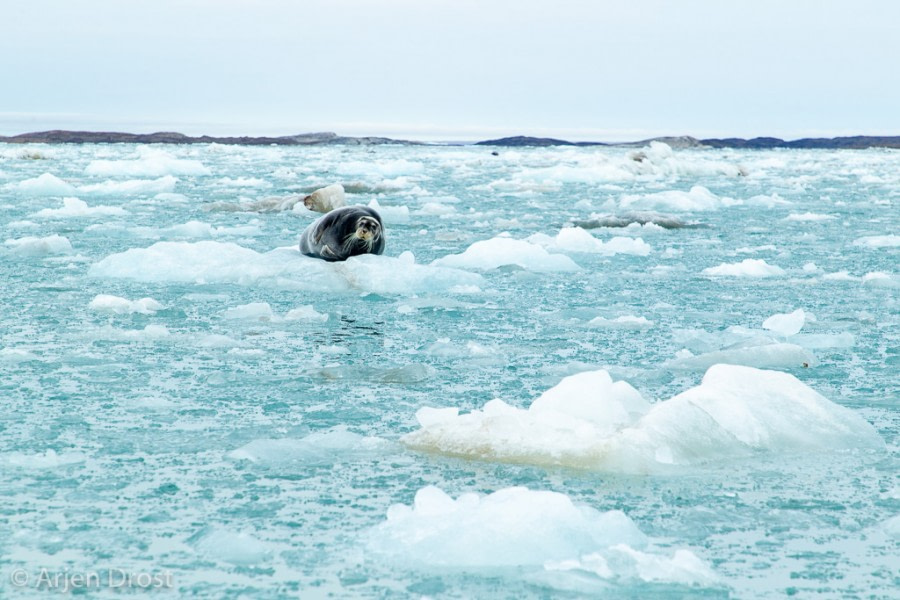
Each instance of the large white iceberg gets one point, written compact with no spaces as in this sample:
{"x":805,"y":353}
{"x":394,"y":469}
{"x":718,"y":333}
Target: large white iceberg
{"x":589,"y":422}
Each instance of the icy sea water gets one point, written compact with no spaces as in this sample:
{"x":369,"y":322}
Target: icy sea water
{"x":241,"y":428}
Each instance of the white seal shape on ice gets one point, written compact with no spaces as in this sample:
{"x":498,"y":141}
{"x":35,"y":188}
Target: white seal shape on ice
{"x":344,"y":232}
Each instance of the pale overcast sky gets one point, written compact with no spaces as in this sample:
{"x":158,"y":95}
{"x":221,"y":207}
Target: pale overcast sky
{"x":453,"y":69}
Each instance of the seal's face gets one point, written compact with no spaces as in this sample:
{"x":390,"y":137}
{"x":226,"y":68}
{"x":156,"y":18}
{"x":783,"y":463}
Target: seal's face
{"x":367,"y":229}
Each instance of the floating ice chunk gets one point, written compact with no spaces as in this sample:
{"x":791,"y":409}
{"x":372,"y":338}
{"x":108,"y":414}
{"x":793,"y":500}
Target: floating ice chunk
{"x":735,"y":412}
{"x":306,"y":313}
{"x":217,"y":340}
{"x":839,"y":276}
{"x":761,"y":356}
{"x":503,"y":251}
{"x":623,"y":322}
{"x":388,"y":275}
{"x":811,"y":267}
{"x":244,"y":182}
{"x":240,"y":549}
{"x":576,"y":239}
{"x":391,"y":214}
{"x":878,"y":241}
{"x":411,"y":373}
{"x":518,"y":527}
{"x":121,"y":306}
{"x":73,"y":207}
{"x":892,"y":527}
{"x":786,"y":324}
{"x":150,"y":333}
{"x":49,"y":459}
{"x":46,"y":185}
{"x":749,"y":267}
{"x":770,"y":201}
{"x":880,"y":279}
{"x":171,"y":197}
{"x":131,"y":187}
{"x":220,"y":262}
{"x":511,"y":527}
{"x":17,"y":355}
{"x":151,"y":162}
{"x":809,"y":216}
{"x":35,"y":246}
{"x":646,"y":218}
{"x":382,"y":167}
{"x":436,"y":209}
{"x":255,"y":311}
{"x":698,"y":198}
{"x":321,"y":448}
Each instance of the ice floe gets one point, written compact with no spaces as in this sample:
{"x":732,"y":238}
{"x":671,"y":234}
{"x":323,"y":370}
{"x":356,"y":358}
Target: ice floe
{"x":131,"y":187}
{"x":621,"y":322}
{"x":237,"y":548}
{"x":150,"y":162}
{"x":786,"y":324}
{"x":504,"y":251}
{"x":49,"y":459}
{"x":73,"y":207}
{"x":17,"y":355}
{"x":519,"y":527}
{"x":39,"y":246}
{"x":122,"y":306}
{"x":628,"y":219}
{"x":576,"y":239}
{"x":320,"y":448}
{"x":749,"y":267}
{"x":753,"y":352}
{"x":878,"y":241}
{"x":45,"y":185}
{"x":286,"y":268}
{"x":305,"y":313}
{"x":809,"y":216}
{"x":735,"y":412}
{"x":698,"y":198}
{"x":254,"y":311}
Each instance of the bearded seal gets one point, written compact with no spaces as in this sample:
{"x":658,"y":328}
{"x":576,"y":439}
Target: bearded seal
{"x":342,"y":233}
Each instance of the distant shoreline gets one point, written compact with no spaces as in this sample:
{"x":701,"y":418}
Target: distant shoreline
{"x":860,"y":142}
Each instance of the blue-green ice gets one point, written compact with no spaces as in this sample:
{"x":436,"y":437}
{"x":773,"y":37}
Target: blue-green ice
{"x":183,"y":393}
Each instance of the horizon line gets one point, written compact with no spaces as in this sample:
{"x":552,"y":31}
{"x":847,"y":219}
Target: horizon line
{"x":465,"y":141}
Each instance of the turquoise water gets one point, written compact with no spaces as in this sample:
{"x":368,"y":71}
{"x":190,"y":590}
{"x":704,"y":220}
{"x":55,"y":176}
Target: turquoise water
{"x":246,"y":450}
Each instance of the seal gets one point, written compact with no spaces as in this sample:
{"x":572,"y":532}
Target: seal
{"x":342,"y":233}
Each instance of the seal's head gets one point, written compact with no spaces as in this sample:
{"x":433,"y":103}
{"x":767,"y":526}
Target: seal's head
{"x":367,"y":228}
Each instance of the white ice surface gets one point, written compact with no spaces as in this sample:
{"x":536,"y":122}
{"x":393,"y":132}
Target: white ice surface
{"x":286,"y":268}
{"x":749,"y":267}
{"x":504,"y":251}
{"x":735,"y":412}
{"x":519,"y":527}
